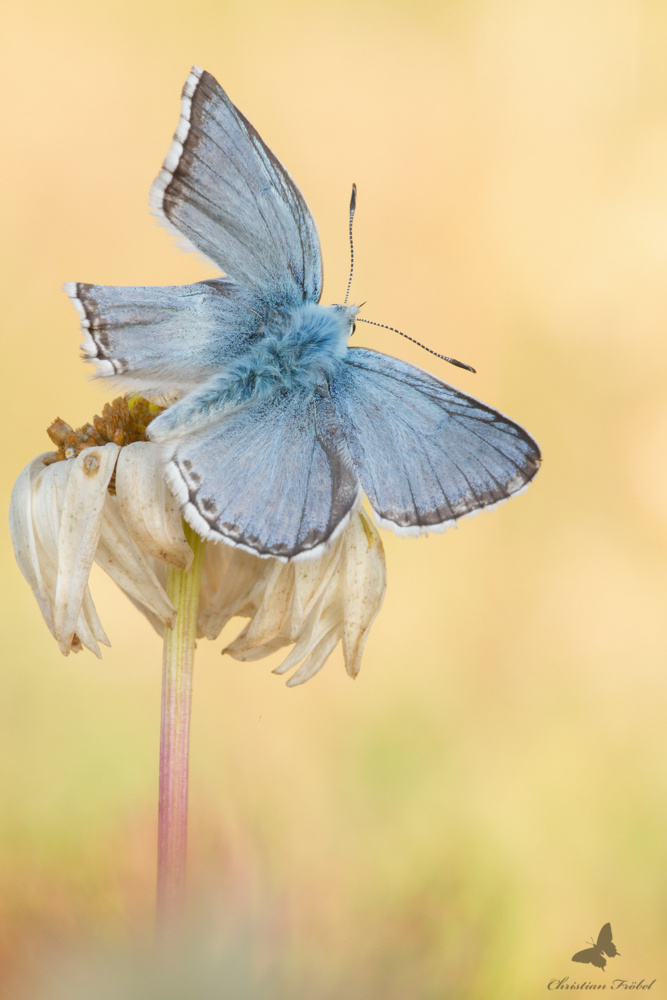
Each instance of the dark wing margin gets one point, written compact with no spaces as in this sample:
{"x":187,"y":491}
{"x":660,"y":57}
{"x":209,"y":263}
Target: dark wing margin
{"x":223,"y":189}
{"x":159,"y":339}
{"x":426,"y":453}
{"x":272,"y":477}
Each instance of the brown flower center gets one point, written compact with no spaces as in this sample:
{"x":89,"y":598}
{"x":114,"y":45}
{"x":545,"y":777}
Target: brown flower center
{"x":122,"y":422}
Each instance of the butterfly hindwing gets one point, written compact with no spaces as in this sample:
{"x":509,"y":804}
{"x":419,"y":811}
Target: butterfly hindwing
{"x":426,"y":453}
{"x":591,"y":955}
{"x":159,"y":339}
{"x":223,"y":189}
{"x":272,"y":476}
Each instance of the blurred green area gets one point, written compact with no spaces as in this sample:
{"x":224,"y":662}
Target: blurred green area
{"x":492,"y":789}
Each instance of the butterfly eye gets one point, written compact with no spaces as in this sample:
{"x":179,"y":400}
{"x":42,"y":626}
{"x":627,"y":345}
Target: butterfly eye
{"x":354,"y":328}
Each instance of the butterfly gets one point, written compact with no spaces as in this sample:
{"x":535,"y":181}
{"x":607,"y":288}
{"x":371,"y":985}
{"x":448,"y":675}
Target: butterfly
{"x":279,"y":425}
{"x":603,"y":946}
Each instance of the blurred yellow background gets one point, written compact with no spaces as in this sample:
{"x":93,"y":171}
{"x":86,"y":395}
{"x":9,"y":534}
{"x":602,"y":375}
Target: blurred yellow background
{"x":493,"y":787}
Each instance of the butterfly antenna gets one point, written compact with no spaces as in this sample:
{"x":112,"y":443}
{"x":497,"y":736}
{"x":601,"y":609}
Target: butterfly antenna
{"x":452,"y":361}
{"x":353,"y":205}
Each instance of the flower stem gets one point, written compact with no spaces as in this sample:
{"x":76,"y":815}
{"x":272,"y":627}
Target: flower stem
{"x":178,"y":661}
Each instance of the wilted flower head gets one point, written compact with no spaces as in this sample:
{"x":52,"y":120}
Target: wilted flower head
{"x":102,"y":497}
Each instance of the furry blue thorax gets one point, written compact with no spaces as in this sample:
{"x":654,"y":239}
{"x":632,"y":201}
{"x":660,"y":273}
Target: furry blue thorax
{"x":294,"y":352}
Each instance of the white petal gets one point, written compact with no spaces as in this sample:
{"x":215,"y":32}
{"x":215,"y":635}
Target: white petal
{"x":239,"y":651}
{"x":80,"y":527}
{"x":149,"y":508}
{"x":270,"y":612}
{"x":312,"y":578}
{"x":160,"y":569}
{"x":89,"y":611}
{"x":83,"y":629}
{"x":49,"y":486}
{"x":275,"y":605}
{"x":23,"y":535}
{"x":365,"y":582}
{"x":333,"y":596}
{"x":118,"y":556}
{"x":37,"y":518}
{"x":148,"y":615}
{"x":317,"y":658}
{"x":233,"y":583}
{"x":324,"y":615}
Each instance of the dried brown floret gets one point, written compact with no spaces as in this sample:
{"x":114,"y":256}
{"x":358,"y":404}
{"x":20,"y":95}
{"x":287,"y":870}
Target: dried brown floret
{"x":122,"y":422}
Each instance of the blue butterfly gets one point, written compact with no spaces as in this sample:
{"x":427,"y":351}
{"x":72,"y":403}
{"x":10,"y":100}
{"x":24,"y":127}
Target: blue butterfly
{"x":279,"y":425}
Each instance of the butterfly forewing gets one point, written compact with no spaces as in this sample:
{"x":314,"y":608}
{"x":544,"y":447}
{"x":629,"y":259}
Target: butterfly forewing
{"x":426,"y":453}
{"x":224,"y":190}
{"x":605,"y":943}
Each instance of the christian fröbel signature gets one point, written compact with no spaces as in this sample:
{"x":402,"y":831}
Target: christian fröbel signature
{"x":616,"y":984}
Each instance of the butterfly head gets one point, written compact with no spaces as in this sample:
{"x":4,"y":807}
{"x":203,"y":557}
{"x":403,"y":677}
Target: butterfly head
{"x":345,"y":316}
{"x":319,"y":333}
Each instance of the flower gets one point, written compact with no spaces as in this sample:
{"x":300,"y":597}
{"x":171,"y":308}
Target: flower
{"x":102,"y":497}
{"x":314,"y":604}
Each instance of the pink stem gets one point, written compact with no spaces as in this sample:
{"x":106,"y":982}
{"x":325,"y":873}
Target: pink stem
{"x":178,"y":661}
